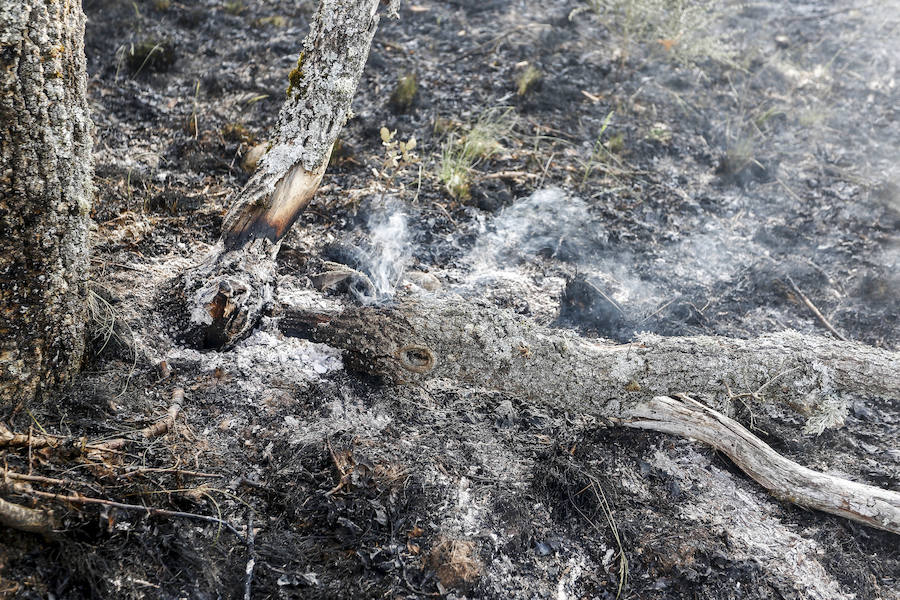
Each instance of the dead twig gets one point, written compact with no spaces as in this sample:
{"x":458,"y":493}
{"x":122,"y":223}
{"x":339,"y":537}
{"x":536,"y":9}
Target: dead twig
{"x":340,"y":465}
{"x":602,"y":502}
{"x":159,"y":428}
{"x":33,"y":478}
{"x":251,"y":560}
{"x":168,"y":422}
{"x":78,"y":499}
{"x":816,"y":311}
{"x":173,"y":470}
{"x":8,"y":439}
{"x":494,"y":42}
{"x":23,"y":518}
{"x":509,"y":175}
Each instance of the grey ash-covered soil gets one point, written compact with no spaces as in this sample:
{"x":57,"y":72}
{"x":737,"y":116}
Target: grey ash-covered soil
{"x":719,"y":190}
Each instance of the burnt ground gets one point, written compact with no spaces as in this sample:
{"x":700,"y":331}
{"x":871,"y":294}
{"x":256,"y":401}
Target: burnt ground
{"x":750,"y":157}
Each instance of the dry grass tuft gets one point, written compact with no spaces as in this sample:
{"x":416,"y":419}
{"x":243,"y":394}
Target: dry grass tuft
{"x":686,"y":31}
{"x":482,"y":141}
{"x":454,"y":562}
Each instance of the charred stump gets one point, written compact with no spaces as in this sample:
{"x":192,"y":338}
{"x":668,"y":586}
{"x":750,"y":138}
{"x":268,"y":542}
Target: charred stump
{"x":220,"y":301}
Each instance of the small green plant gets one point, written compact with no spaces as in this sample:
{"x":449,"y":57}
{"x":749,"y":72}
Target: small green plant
{"x":162,"y":5}
{"x":454,"y":171}
{"x":483,"y":140}
{"x":528,"y":80}
{"x":234,"y":7}
{"x":660,"y":132}
{"x":405,"y":93}
{"x":601,"y":152}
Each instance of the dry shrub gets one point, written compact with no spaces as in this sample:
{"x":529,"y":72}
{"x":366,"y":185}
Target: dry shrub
{"x":455,"y":562}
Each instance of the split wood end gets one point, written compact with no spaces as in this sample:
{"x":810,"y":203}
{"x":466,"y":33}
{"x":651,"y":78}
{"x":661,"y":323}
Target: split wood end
{"x":272,"y":217}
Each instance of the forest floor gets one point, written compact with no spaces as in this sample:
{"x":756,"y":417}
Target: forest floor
{"x":607,"y":166}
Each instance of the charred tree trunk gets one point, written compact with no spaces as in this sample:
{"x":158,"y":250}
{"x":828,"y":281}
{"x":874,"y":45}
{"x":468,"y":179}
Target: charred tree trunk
{"x":225,"y":296}
{"x":647,"y":384}
{"x":45,"y":197}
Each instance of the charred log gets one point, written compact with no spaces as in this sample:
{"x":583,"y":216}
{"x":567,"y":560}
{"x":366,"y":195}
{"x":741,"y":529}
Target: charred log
{"x":647,"y":384}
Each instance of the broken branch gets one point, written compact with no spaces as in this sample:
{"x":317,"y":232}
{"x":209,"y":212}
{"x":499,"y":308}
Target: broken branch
{"x":221,"y":300}
{"x":487,"y":347}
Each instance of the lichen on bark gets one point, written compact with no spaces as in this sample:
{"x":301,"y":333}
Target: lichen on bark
{"x":45,"y":197}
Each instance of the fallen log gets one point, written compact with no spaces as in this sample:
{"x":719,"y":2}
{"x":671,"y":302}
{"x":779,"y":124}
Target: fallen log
{"x":647,"y":384}
{"x":219,"y":301}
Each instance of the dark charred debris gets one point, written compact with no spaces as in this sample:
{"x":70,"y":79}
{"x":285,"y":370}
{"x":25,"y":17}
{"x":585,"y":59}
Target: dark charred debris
{"x":719,"y":187}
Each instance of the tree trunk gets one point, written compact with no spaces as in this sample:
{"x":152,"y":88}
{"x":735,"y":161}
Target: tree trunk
{"x":223,"y":298}
{"x":45,"y":179}
{"x":646,"y":384}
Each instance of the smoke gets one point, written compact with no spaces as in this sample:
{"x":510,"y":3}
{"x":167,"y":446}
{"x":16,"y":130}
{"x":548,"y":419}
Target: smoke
{"x":552,"y":246}
{"x":542,"y":241}
{"x":383,"y":257}
{"x":546,"y":224}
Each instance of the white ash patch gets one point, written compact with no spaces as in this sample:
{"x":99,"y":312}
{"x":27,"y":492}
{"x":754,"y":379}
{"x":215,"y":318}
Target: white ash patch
{"x":747,"y":518}
{"x":345,"y":414}
{"x":567,"y":587}
{"x":467,"y":508}
{"x":558,"y":575}
{"x":306,"y":299}
{"x":266,"y":360}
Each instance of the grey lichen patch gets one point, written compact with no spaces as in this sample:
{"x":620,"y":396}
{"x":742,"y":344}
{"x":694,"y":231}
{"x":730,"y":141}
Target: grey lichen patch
{"x":320,"y":91}
{"x":334,"y":54}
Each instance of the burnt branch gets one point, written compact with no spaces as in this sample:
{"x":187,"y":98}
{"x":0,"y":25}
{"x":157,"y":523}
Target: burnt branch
{"x":221,"y":300}
{"x":631,"y":384}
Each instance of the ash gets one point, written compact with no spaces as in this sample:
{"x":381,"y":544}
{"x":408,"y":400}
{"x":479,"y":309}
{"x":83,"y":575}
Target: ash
{"x":264,"y":360}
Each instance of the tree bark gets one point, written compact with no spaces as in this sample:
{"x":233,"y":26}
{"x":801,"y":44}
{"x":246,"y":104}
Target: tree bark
{"x":225,"y":296}
{"x":636,"y":385}
{"x":45,"y":197}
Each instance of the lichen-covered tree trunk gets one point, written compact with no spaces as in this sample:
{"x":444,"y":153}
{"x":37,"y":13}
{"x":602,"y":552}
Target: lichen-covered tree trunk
{"x":45,"y":197}
{"x":223,"y":298}
{"x":648,"y":384}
